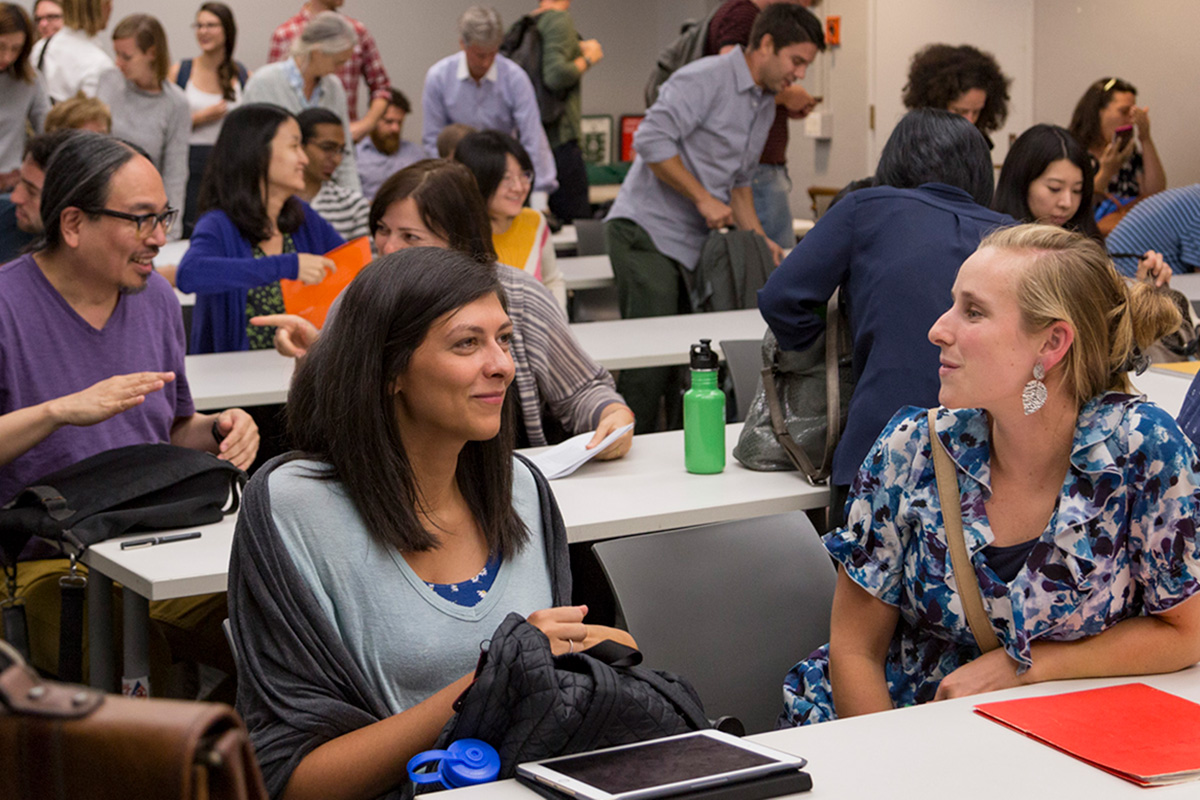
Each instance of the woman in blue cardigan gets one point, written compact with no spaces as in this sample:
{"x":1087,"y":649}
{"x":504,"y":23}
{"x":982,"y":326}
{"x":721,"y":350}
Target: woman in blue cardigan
{"x":253,"y":231}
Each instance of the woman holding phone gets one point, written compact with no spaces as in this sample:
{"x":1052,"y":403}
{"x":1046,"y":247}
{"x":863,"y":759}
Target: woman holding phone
{"x":1127,"y":167}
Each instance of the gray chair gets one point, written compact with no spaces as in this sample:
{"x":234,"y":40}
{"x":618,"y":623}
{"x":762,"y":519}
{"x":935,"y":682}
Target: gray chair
{"x":589,"y":237}
{"x":592,"y":305}
{"x":744,"y":357}
{"x":731,"y":606}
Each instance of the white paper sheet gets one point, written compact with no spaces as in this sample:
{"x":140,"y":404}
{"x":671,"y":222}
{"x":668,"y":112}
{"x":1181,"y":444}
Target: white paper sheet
{"x":563,"y":459}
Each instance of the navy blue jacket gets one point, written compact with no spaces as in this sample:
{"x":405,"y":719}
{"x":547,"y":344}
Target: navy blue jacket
{"x":219,"y":266}
{"x":895,"y":253}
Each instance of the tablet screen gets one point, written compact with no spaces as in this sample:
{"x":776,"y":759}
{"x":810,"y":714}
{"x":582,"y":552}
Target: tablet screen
{"x":658,"y":763}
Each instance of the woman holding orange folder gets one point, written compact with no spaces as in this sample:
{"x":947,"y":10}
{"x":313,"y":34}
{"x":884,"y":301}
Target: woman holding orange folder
{"x":1078,"y":500}
{"x":253,"y":231}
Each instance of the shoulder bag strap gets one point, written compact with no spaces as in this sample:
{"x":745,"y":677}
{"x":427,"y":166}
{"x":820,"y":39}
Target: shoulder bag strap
{"x":794,"y":451}
{"x":968,"y":585}
{"x":833,"y":382}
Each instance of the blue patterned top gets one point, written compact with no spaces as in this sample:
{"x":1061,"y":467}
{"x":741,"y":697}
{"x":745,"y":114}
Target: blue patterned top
{"x":1120,"y":543}
{"x":469,"y":592}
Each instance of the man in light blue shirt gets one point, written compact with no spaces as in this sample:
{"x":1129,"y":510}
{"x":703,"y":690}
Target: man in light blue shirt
{"x":480,"y":88}
{"x":384,"y":152}
{"x":1168,"y":222}
{"x":697,"y":150}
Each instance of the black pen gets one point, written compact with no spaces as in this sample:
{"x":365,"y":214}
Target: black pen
{"x":153,"y":540}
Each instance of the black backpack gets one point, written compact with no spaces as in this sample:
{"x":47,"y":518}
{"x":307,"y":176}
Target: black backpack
{"x":693,"y":36}
{"x":530,"y":704}
{"x":139,"y":487}
{"x":523,"y":46}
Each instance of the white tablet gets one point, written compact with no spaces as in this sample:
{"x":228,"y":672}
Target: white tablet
{"x":668,"y":766}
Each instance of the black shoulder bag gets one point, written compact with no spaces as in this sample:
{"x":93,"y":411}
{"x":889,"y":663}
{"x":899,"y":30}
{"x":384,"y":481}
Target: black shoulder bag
{"x":139,"y":487}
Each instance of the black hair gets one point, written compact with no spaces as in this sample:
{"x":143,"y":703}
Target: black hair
{"x":79,"y":175}
{"x":237,"y":171}
{"x":1030,"y":155}
{"x":930,"y":145}
{"x":41,"y":148}
{"x":310,"y":118}
{"x":341,"y":407}
{"x":227,"y":71}
{"x":787,"y":24}
{"x":396,"y":98}
{"x":942,"y":73}
{"x":484,"y":153}
{"x":448,"y":201}
{"x":1085,"y":120}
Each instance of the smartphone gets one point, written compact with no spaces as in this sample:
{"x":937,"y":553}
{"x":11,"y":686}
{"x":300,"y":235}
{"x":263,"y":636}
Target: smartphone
{"x":1121,"y":136}
{"x":661,"y":767}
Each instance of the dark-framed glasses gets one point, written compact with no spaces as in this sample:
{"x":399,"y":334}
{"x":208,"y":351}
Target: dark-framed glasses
{"x":332,"y":148}
{"x":145,"y":222}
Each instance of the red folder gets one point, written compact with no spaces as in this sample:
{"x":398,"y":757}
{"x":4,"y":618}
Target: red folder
{"x":1134,"y":731}
{"x":312,"y":302}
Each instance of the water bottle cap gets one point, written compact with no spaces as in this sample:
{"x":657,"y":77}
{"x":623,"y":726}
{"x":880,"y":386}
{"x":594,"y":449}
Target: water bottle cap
{"x":702,"y":356}
{"x":464,"y":763}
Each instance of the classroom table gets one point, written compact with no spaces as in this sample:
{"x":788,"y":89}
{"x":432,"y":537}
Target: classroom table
{"x":261,"y":377}
{"x":586,"y":272}
{"x":1187,"y":284}
{"x":647,"y":490}
{"x":1165,"y":387}
{"x":566,"y":240}
{"x":942,"y":750}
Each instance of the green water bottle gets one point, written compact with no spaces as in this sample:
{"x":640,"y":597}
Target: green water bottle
{"x":704,"y":414}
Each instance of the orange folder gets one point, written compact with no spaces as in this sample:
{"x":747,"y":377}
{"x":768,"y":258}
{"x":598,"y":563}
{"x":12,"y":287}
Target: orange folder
{"x":312,"y":302}
{"x":1134,"y":731}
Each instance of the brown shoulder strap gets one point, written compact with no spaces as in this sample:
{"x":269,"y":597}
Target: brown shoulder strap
{"x":964,"y":573}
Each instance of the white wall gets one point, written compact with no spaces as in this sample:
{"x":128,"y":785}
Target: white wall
{"x":1073,"y":43}
{"x":1151,"y":43}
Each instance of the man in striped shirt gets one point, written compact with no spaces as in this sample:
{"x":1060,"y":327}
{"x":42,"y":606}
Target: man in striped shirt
{"x":324,"y":142}
{"x":1168,"y":222}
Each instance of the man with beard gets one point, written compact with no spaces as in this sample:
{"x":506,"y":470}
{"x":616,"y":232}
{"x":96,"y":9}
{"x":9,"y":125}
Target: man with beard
{"x":20,"y":218}
{"x":92,"y":357}
{"x":384,"y":153}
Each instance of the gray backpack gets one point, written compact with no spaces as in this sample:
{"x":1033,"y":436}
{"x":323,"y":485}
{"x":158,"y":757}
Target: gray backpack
{"x":693,"y":36}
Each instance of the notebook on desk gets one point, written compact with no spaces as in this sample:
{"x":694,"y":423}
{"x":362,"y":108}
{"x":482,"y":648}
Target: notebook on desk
{"x":1134,"y":731}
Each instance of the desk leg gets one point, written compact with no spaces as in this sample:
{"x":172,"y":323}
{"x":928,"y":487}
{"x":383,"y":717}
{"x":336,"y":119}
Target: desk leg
{"x":102,"y":672}
{"x":136,"y":680}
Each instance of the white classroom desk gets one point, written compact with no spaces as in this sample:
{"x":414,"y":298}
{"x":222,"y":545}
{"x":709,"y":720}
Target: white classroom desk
{"x":261,"y":377}
{"x":647,"y":490}
{"x":586,"y":272}
{"x":1188,"y":285}
{"x":567,"y":239}
{"x":1165,"y":387}
{"x":942,"y":750}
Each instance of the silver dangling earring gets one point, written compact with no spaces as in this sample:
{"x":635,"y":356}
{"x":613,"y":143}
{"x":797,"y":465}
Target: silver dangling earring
{"x":1034,"y":396}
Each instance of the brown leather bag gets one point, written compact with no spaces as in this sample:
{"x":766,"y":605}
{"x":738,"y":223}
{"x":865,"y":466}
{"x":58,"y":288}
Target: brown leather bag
{"x":60,"y":740}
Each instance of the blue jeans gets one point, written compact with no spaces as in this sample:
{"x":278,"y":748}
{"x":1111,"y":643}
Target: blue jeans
{"x":772,"y":188}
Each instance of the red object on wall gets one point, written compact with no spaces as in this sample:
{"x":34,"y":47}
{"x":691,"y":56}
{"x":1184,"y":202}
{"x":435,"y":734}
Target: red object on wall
{"x":833,"y":30}
{"x":629,"y":125}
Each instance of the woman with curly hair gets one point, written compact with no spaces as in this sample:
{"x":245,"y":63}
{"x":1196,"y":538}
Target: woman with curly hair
{"x":962,"y":80}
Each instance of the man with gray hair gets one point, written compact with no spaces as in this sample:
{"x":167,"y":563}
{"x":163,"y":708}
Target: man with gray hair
{"x":481,"y":88}
{"x":307,"y":80}
{"x":364,"y":63}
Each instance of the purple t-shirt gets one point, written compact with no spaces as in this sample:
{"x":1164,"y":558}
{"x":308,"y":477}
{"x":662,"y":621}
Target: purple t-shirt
{"x":47,"y":350}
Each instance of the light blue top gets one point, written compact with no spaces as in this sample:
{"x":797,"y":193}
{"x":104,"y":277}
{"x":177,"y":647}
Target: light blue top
{"x":713,"y":116}
{"x":503,"y":100}
{"x":1168,"y":222}
{"x":374,"y":167}
{"x":409,"y":641}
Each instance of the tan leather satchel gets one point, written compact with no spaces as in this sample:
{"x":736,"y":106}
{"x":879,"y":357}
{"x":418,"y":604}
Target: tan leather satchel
{"x":60,"y":740}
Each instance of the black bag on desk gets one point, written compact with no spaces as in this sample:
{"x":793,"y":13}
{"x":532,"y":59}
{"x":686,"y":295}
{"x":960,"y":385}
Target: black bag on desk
{"x":801,"y":404}
{"x":530,"y":704}
{"x":139,"y":487}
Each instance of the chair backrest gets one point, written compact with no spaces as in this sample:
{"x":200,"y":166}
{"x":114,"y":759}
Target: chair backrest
{"x":731,"y":606}
{"x":821,"y":196}
{"x":744,"y":357}
{"x":589,"y":237}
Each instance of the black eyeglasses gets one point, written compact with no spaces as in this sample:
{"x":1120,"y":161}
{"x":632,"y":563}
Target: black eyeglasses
{"x":145,"y":222}
{"x":330,"y":148}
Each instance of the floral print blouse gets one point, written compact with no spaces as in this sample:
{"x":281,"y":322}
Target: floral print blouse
{"x":1121,"y":542}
